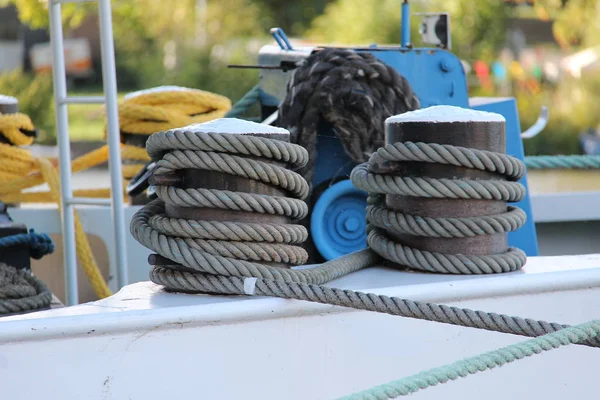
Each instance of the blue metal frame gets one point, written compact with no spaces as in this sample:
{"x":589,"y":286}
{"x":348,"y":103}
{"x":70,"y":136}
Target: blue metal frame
{"x":524,"y":238}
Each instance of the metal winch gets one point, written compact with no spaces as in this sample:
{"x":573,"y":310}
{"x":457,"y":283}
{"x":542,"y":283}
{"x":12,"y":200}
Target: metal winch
{"x":436,"y":76}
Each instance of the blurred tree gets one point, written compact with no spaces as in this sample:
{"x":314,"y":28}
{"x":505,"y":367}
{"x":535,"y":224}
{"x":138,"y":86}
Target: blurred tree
{"x":293,"y":17}
{"x":476,"y":30}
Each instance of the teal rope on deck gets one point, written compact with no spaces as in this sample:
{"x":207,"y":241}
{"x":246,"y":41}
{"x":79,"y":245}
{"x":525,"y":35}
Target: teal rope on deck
{"x":563,"y":162}
{"x":482,"y":362}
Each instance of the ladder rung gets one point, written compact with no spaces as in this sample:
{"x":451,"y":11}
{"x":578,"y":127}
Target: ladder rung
{"x":82,"y":100}
{"x":89,"y":201}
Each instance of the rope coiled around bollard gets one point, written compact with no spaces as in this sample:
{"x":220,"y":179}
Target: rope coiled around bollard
{"x":384,"y":219}
{"x":223,"y":258}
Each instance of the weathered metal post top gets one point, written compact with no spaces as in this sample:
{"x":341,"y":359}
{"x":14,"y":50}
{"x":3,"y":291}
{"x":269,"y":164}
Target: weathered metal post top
{"x":8,"y":104}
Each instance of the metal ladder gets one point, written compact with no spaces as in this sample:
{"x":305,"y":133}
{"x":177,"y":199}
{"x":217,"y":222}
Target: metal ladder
{"x":62,"y":100}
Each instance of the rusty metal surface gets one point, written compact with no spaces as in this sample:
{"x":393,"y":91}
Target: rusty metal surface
{"x":479,"y":135}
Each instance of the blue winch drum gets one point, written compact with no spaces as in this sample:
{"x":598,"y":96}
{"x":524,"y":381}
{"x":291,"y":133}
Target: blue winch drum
{"x":338,"y":224}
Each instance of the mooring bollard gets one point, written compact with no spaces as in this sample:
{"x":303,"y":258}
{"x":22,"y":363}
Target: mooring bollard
{"x":461,"y":129}
{"x":439,"y":192}
{"x":239,"y":198}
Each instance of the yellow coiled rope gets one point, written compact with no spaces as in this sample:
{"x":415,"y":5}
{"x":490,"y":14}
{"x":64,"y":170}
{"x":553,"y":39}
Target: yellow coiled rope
{"x":20,"y":170}
{"x":163,"y":108}
{"x":142,"y":113}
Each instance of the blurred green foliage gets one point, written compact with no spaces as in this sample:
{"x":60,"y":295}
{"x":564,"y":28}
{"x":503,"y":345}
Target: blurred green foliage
{"x":191,"y":42}
{"x":36,"y":99}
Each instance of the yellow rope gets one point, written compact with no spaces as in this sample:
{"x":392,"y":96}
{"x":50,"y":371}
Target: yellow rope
{"x":159,"y":109}
{"x":141,"y":114}
{"x":84,"y":251}
{"x":11,"y":125}
{"x":156,"y":111}
{"x":20,"y":170}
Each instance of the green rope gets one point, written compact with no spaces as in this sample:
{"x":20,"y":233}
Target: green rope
{"x":468,"y":366}
{"x":563,"y":162}
{"x":245,"y":103}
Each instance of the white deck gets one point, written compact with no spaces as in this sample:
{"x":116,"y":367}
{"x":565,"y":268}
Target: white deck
{"x":145,"y":344}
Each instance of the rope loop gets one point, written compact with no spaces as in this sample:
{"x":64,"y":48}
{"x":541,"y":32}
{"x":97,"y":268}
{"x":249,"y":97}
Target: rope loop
{"x":39,"y":244}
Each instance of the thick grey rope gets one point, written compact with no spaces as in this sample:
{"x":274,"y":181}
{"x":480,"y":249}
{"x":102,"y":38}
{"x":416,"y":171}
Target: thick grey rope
{"x":436,"y":188}
{"x":452,"y":155}
{"x":185,"y":281}
{"x":178,"y":139}
{"x":20,"y":291}
{"x":226,"y":275}
{"x":235,"y":165}
{"x":228,"y":200}
{"x":235,"y":231}
{"x":385,"y":219}
{"x":443,"y":263}
{"x":399,"y":222}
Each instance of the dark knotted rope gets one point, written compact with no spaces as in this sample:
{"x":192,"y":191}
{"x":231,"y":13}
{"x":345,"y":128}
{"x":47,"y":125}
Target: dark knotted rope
{"x":353,"y":91}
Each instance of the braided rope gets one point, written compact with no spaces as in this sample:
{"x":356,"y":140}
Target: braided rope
{"x":237,"y":166}
{"x":232,"y":231}
{"x":20,"y":291}
{"x":353,"y":91}
{"x":482,"y":160}
{"x":39,"y":244}
{"x":245,"y":103}
{"x":213,"y":283}
{"x":479,"y":363}
{"x":185,"y":139}
{"x":443,"y":263}
{"x":235,"y":201}
{"x":399,"y":222}
{"x":436,"y":188}
{"x":200,"y":269}
{"x":563,"y":162}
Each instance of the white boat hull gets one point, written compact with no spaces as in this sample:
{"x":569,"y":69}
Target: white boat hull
{"x":145,"y":344}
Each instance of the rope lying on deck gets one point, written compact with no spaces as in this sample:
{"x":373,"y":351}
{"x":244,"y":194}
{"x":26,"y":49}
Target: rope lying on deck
{"x":20,"y":290}
{"x":212,"y":260}
{"x":472,"y":365}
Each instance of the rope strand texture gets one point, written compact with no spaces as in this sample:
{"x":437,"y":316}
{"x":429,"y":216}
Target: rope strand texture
{"x":221,"y":269}
{"x":20,"y":291}
{"x":353,"y":91}
{"x":472,"y":365}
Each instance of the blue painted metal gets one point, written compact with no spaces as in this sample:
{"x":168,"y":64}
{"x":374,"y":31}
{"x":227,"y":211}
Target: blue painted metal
{"x":338,"y":225}
{"x":281,"y":39}
{"x":435,"y":75}
{"x":405,"y":24}
{"x":524,"y":238}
